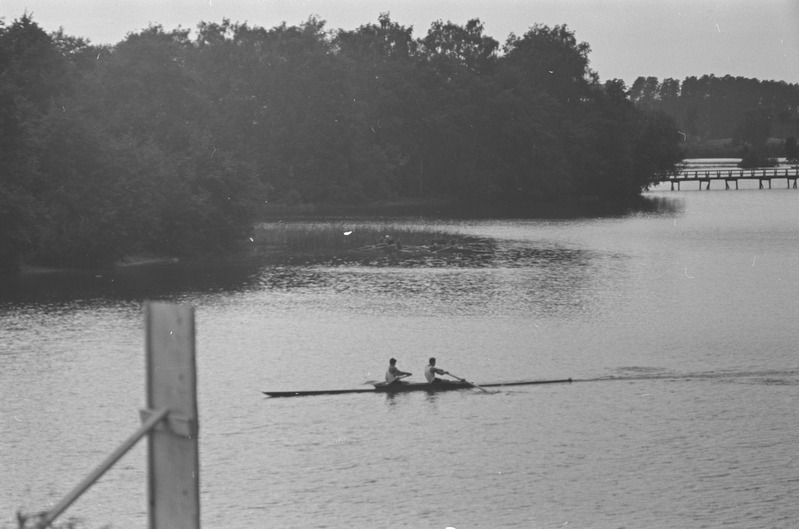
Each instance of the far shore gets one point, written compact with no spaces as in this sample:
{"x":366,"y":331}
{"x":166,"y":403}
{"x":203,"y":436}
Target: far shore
{"x":726,"y":148}
{"x":304,"y":230}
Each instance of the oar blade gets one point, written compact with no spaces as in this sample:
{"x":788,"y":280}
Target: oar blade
{"x":470,"y":383}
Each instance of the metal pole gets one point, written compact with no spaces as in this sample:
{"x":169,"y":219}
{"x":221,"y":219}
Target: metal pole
{"x":145,"y":428}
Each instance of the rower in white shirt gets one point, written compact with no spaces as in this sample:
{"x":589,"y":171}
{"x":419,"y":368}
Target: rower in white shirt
{"x":431,"y":371}
{"x":394,"y":375}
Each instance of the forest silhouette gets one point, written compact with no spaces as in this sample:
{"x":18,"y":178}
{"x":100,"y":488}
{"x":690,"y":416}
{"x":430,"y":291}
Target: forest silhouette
{"x":174,"y":142}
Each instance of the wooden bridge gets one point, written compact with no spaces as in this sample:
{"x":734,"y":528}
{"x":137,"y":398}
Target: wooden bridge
{"x":730,"y":176}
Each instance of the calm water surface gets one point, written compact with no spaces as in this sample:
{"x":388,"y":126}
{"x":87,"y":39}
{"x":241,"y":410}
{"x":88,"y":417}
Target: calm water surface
{"x":679,"y":326}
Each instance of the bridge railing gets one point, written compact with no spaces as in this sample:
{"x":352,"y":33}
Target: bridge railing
{"x":781,"y":172}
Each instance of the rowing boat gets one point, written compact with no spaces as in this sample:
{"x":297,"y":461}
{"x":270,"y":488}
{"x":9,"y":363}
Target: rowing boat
{"x":405,"y":387}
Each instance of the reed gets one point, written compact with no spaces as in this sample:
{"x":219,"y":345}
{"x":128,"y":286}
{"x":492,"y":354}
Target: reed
{"x":320,"y":238}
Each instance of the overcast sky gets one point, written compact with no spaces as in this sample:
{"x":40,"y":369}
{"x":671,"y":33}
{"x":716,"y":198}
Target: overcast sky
{"x":628,"y":38}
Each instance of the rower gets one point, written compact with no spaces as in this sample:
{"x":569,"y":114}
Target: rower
{"x":431,"y":371}
{"x":393,"y":375}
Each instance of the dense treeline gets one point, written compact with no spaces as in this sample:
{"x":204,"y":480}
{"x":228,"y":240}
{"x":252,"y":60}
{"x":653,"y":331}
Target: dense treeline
{"x":744,"y":112}
{"x":171,"y":143}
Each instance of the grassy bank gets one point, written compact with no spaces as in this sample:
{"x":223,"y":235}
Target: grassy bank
{"x":337,"y":238}
{"x":374,"y":210}
{"x":278,"y":240}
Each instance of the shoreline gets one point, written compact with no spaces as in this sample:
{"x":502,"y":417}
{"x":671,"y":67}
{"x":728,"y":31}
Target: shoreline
{"x":287,"y":241}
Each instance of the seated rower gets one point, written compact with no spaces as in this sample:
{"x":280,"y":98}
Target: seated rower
{"x":394,"y":375}
{"x":431,"y":371}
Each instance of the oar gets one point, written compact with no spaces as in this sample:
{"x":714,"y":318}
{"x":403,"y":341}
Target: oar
{"x":373,"y":382}
{"x":467,"y":382}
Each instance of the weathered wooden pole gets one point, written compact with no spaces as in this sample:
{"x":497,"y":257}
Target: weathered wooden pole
{"x":170,"y":420}
{"x":174,"y":491}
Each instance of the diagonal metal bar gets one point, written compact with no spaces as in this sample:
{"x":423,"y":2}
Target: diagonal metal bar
{"x":84,"y":485}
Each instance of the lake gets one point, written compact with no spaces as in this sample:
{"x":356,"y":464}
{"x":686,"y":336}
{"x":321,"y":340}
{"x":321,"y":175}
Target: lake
{"x":677,"y":322}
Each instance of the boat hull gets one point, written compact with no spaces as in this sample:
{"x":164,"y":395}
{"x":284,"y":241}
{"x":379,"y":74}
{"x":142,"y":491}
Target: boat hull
{"x":411,"y":386}
{"x":404,"y":387}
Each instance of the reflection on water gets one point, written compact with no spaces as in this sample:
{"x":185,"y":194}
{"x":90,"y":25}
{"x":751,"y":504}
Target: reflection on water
{"x":786,"y":376}
{"x":505,"y":276}
{"x":133,"y":283}
{"x":287,"y":272}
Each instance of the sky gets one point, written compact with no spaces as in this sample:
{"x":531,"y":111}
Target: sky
{"x":628,"y":38}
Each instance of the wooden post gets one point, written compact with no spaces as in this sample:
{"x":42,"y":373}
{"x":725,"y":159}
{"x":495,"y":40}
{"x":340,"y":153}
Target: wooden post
{"x":174,"y":492}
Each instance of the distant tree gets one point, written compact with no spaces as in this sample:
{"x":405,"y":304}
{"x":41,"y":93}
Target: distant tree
{"x":656,"y":147}
{"x":616,"y":91}
{"x":754,"y":128}
{"x":461,"y":46}
{"x":391,"y":122}
{"x":670,"y":96}
{"x":645,"y":92}
{"x":791,"y":149}
{"x":632,"y":147}
{"x":712,"y":108}
{"x":752,"y":133}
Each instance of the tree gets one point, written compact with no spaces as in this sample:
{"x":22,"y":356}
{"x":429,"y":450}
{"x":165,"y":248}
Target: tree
{"x":545,"y":76}
{"x":753,"y":132}
{"x":791,"y":150}
{"x":712,"y":108}
{"x":388,"y":123}
{"x":754,"y":128}
{"x":553,"y":60}
{"x":645,"y":92}
{"x":165,"y":144}
{"x":457,"y":75}
{"x":454,"y":48}
{"x":32,"y":81}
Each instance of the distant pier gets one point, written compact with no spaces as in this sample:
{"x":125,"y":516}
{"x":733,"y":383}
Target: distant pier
{"x":732,"y":176}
